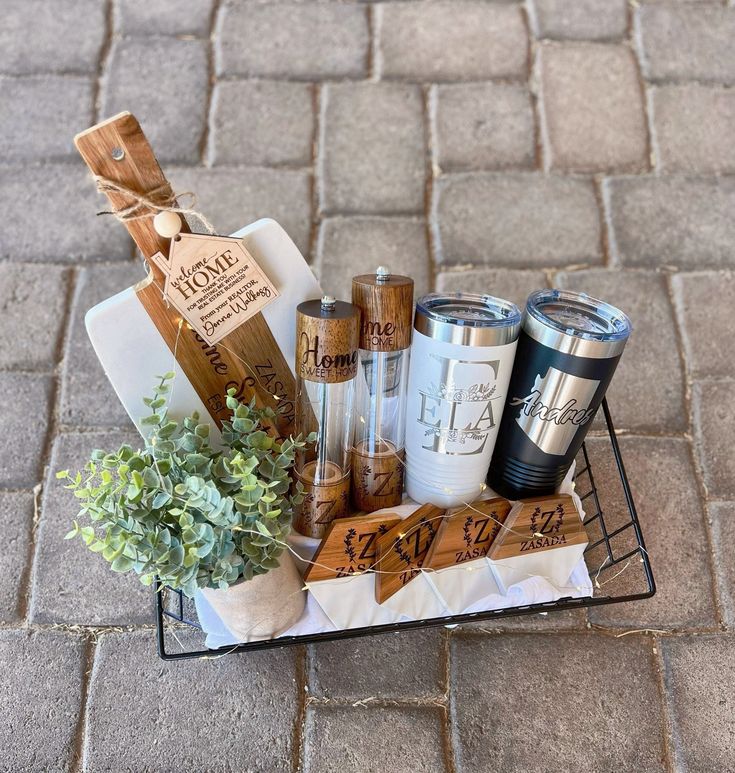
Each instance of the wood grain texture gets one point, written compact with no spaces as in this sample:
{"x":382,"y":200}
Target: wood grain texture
{"x":206,"y":280}
{"x":401,"y":552}
{"x":350,"y":546}
{"x":538,"y":524}
{"x":323,"y":501}
{"x":327,"y":342}
{"x":386,"y":311}
{"x":467,"y":534}
{"x":377,"y":479}
{"x":248,"y":359}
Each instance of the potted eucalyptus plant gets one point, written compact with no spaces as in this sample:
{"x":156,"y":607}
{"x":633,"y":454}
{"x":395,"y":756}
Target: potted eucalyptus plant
{"x":202,"y":520}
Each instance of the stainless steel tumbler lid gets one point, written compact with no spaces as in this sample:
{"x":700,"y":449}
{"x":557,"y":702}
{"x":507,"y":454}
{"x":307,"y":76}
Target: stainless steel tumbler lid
{"x":467,"y":319}
{"x":575,"y":323}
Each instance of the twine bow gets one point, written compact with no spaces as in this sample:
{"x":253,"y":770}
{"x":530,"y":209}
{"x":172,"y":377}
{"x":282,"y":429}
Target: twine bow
{"x":161,"y":199}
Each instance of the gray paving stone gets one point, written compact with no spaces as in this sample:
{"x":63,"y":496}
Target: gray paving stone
{"x":687,"y":42}
{"x":405,"y":739}
{"x":452,"y":41}
{"x":704,"y":301}
{"x":139,"y":71}
{"x":582,"y":19}
{"x":394,"y":666}
{"x":514,"y":286}
{"x":16,"y":514}
{"x":65,"y":36}
{"x":664,"y":487}
{"x":374,"y":148}
{"x":24,"y":426}
{"x":26,"y":104}
{"x":163,"y":17}
{"x":233,"y":197}
{"x":722,"y":517}
{"x":593,"y":106}
{"x":70,"y":231}
{"x":41,"y":691}
{"x":71,"y":584}
{"x":714,"y":424}
{"x":262,"y":122}
{"x":83,"y":377}
{"x":562,"y":620}
{"x":680,"y":221}
{"x":699,"y":673}
{"x":303,"y":41}
{"x":484,"y":126}
{"x":32,"y":305}
{"x":230,"y":691}
{"x":520,"y":221}
{"x":651,"y":356}
{"x":693,"y":126}
{"x":514,"y":703}
{"x":357,"y":245}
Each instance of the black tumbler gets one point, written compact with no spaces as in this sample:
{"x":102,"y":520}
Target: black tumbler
{"x":568,"y":349}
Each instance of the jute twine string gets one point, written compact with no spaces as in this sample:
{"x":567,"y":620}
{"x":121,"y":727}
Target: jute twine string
{"x":160,"y":199}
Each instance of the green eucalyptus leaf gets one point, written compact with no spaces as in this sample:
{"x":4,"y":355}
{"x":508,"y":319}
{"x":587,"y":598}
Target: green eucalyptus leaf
{"x":182,"y":511}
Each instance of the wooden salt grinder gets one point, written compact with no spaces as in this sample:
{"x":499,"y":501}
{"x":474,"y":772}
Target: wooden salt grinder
{"x":385,"y":301}
{"x":327,"y":337}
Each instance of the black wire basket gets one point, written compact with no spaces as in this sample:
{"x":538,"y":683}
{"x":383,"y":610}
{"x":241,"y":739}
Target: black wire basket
{"x":616,"y":557}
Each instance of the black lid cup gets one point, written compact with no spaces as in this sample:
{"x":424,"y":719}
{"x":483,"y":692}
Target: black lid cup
{"x":568,"y":349}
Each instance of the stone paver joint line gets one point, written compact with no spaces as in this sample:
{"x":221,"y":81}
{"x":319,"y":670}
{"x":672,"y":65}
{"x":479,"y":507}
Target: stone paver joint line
{"x":496,"y":146}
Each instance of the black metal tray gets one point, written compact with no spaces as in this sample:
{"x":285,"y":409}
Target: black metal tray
{"x":616,"y":556}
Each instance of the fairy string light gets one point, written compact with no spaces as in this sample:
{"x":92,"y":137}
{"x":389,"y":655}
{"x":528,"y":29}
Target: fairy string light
{"x":163,"y":200}
{"x":375,"y":569}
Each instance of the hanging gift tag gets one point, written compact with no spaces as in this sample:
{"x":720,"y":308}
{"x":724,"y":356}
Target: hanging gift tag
{"x":214,"y":282}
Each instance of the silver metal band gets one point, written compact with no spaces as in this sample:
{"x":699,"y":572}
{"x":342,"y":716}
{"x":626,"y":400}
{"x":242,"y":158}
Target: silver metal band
{"x":570,"y":344}
{"x":465,"y":335}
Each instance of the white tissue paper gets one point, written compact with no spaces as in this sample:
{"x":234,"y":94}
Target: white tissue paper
{"x":353,"y":604}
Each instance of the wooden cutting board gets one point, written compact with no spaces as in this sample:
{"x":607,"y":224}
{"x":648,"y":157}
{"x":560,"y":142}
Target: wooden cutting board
{"x":135,"y":333}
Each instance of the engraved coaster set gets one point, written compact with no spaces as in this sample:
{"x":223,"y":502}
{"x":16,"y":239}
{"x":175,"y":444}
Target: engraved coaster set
{"x":439,"y":484}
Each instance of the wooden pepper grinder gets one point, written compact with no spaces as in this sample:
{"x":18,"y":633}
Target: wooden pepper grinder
{"x":385,"y":301}
{"x":327,"y":334}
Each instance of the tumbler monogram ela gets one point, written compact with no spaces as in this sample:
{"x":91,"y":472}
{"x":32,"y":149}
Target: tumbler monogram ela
{"x":461,"y":360}
{"x":568,"y":350}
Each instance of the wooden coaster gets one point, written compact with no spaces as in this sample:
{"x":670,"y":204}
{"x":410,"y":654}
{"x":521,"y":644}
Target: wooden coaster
{"x":539,"y":524}
{"x":467,"y":534}
{"x":349,"y":546}
{"x":402,"y":551}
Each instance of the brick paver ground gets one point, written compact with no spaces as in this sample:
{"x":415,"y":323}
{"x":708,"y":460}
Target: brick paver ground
{"x":489,"y":145}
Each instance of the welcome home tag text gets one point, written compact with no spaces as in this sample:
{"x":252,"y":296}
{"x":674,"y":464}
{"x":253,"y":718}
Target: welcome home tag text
{"x":214,"y":282}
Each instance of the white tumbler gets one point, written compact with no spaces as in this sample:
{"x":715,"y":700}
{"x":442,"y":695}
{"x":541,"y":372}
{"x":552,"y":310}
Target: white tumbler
{"x":461,"y":359}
